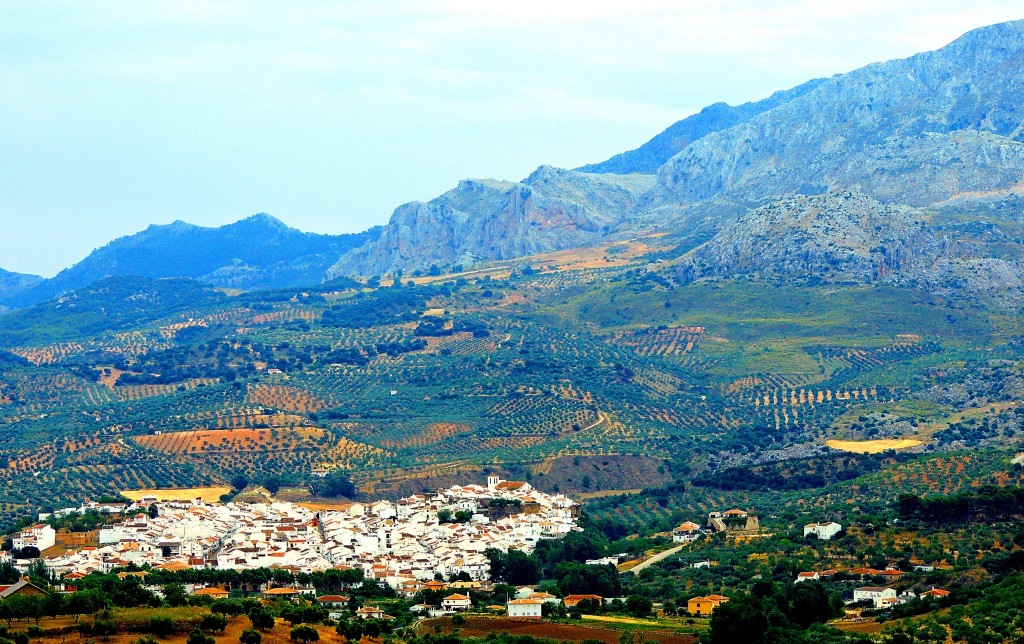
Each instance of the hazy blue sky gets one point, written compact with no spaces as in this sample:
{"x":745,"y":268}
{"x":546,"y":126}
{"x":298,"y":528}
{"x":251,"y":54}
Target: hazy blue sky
{"x":116,"y":115}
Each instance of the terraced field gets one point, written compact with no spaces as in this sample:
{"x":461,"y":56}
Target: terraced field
{"x":478,"y":371}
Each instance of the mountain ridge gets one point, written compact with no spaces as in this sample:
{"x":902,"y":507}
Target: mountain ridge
{"x":255,"y":252}
{"x":934,"y":127}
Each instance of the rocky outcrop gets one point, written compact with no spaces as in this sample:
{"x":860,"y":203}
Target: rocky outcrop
{"x":848,"y":237}
{"x":916,"y":131}
{"x":484,"y":219}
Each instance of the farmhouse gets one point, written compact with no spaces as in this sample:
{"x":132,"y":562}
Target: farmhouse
{"x":878,"y":595}
{"x":739,"y":520}
{"x":705,"y":605}
{"x":21,"y":588}
{"x":823,"y":531}
{"x":332,"y":601}
{"x":525,"y":608}
{"x":370,"y":612}
{"x":456,"y":603}
{"x":685,"y":532}
{"x":573,"y":600}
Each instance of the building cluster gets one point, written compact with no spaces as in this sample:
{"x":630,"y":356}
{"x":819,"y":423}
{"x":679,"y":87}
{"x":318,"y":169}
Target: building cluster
{"x":403,"y":543}
{"x":407,"y":540}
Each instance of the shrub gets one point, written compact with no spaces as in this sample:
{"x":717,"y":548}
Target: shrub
{"x":304,"y":633}
{"x":250,"y":636}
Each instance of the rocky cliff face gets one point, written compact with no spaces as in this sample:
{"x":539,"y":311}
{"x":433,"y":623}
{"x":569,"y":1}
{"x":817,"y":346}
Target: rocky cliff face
{"x":483,"y":219}
{"x":940,"y":127}
{"x":915,"y":131}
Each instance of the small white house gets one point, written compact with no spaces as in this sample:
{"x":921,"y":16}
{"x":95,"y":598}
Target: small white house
{"x":456,"y":603}
{"x":686,"y":532}
{"x":877,"y":594}
{"x":525,"y":608}
{"x":824,"y":531}
{"x":807,"y":576}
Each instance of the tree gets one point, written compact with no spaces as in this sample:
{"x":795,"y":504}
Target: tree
{"x":742,"y":619}
{"x":304,"y":633}
{"x":250,"y":636}
{"x":808,"y":602}
{"x":334,"y":484}
{"x":104,"y":628}
{"x":85,"y":602}
{"x":638,"y":606}
{"x":239,"y":482}
{"x":161,"y":626}
{"x":213,"y":623}
{"x":514,"y":567}
{"x":262,"y":619}
{"x":175,"y":595}
{"x":199,"y":637}
{"x":272,"y":483}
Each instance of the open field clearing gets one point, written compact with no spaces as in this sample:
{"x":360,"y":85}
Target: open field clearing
{"x":875,"y":446}
{"x":208,"y":494}
{"x":478,"y":626}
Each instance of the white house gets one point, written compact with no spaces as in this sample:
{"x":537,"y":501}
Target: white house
{"x":456,"y":603}
{"x":824,"y":531}
{"x":525,"y":608}
{"x":877,"y":594}
{"x":686,"y":532}
{"x":41,"y":536}
{"x":807,"y":576}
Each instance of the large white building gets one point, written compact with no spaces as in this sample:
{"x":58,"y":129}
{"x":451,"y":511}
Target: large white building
{"x":525,"y":608}
{"x":879,"y":595}
{"x":824,"y":531}
{"x":41,"y":536}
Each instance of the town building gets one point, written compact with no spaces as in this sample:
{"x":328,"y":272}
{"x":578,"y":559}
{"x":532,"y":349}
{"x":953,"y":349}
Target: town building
{"x":878,"y":595}
{"x":525,"y":608}
{"x":705,"y":605}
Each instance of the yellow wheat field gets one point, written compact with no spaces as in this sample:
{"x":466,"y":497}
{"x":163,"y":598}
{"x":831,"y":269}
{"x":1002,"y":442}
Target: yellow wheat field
{"x":873,"y":447}
{"x":209,"y":494}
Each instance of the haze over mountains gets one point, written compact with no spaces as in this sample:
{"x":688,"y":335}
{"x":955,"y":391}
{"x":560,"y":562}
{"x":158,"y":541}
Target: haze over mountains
{"x":941,"y":132}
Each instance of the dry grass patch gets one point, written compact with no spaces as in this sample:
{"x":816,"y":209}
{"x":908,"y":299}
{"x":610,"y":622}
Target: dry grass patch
{"x":208,"y":494}
{"x":875,"y":446}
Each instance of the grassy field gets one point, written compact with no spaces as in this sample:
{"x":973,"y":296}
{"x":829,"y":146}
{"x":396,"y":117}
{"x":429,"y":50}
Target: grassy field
{"x":873,"y":446}
{"x":210,"y":494}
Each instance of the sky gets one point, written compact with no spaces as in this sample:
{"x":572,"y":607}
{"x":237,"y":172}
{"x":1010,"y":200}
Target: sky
{"x":329,"y":114}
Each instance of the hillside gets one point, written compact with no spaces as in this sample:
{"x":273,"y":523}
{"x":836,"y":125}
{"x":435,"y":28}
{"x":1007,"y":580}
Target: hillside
{"x":848,"y":237}
{"x":12,"y":284}
{"x":256,"y":252}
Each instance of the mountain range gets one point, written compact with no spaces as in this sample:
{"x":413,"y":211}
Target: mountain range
{"x":935,"y":129}
{"x":933,"y":143}
{"x":259,"y":252}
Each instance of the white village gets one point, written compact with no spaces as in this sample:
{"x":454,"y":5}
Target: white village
{"x":402,"y":544}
